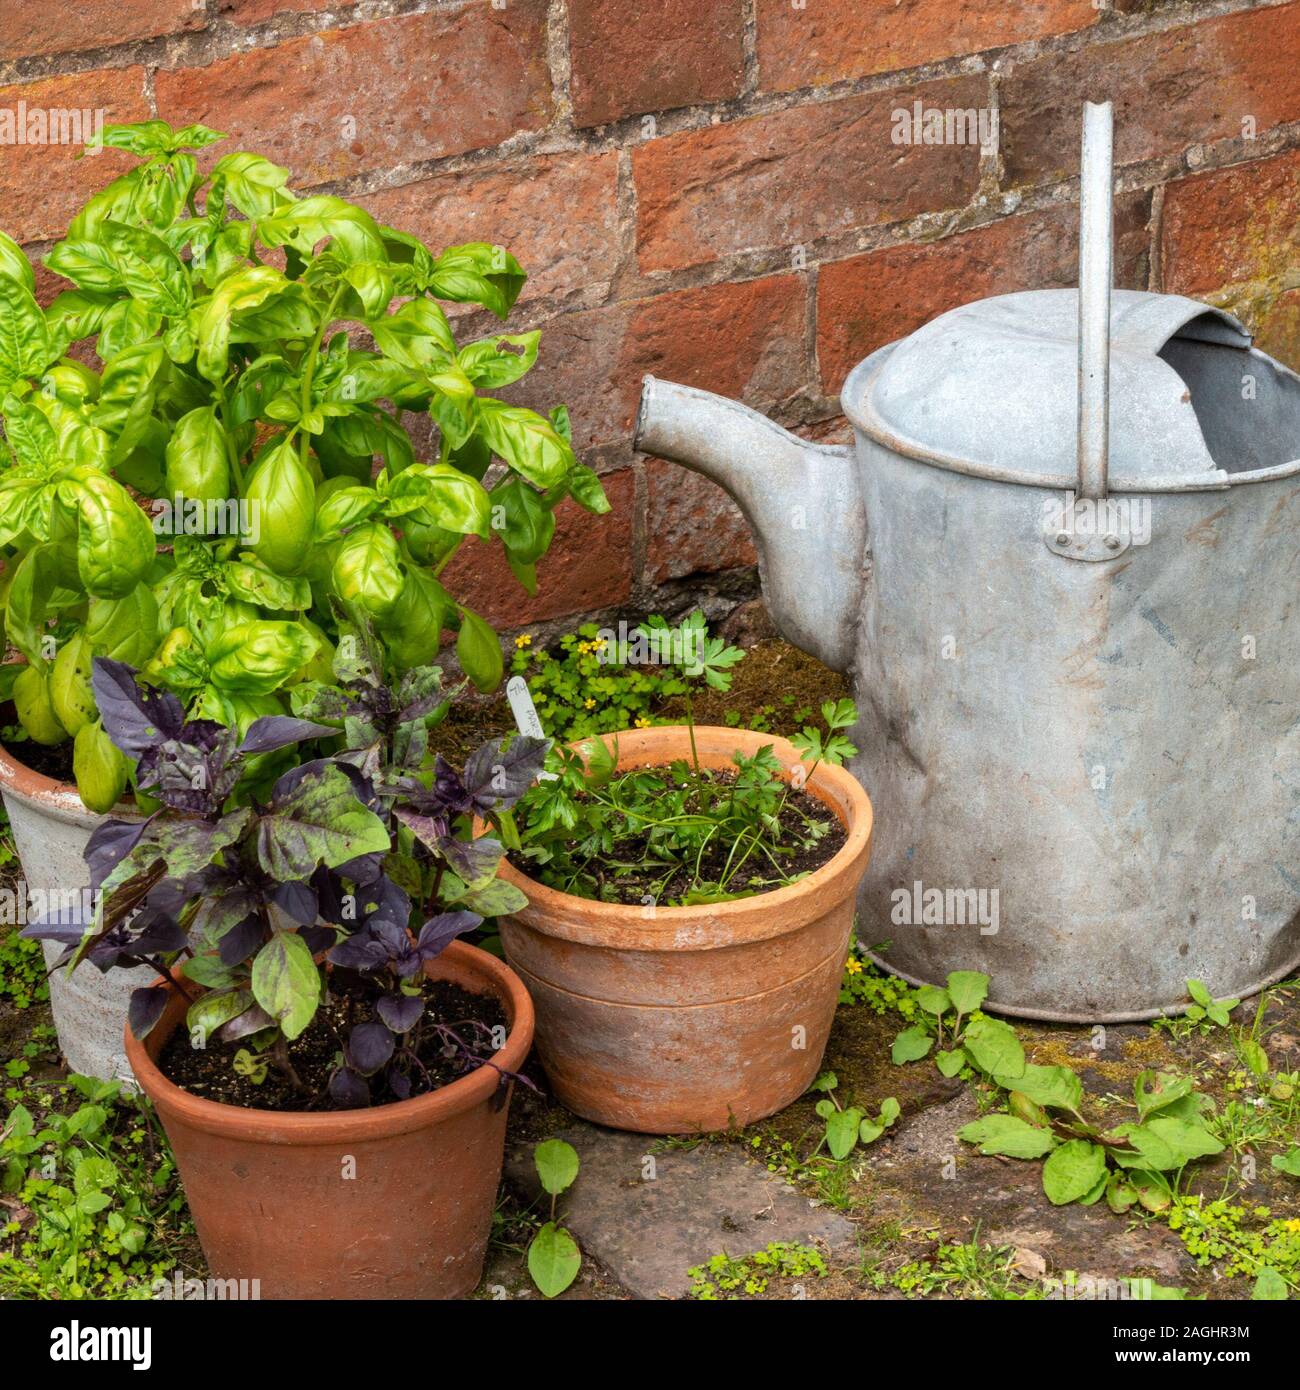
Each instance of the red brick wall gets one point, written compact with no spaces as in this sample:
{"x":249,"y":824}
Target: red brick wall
{"x":707,"y":189}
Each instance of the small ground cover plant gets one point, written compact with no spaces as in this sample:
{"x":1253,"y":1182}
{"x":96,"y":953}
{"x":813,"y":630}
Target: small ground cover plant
{"x":683,"y":834}
{"x":22,"y":971}
{"x":579,"y":689}
{"x":847,"y":1126}
{"x":727,"y":1278}
{"x":1242,"y":1242}
{"x":1134,"y":1164}
{"x":553,"y":1255}
{"x":950,"y":1023}
{"x":970,"y":1269}
{"x":90,"y":1205}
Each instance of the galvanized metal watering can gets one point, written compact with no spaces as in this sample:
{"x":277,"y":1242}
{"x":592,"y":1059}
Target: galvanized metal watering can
{"x":1060,"y":567}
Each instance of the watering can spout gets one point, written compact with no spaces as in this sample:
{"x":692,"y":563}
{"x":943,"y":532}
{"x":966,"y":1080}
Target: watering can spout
{"x":802,"y":502}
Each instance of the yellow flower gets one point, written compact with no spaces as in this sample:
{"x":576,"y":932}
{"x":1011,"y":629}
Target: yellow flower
{"x":1291,"y":1226}
{"x":599,"y":645}
{"x":642,"y":722}
{"x":853,"y":965}
{"x":525,"y":639}
{"x":589,"y":703}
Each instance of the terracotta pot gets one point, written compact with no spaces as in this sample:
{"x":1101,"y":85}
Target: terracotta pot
{"x":51,"y":827}
{"x":675,"y":1020}
{"x":390,"y":1202}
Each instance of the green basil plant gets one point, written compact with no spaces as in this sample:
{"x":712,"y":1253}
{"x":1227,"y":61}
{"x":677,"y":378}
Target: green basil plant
{"x":237,"y":471}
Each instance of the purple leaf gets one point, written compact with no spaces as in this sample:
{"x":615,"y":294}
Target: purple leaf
{"x":241,"y":940}
{"x":135,"y":719}
{"x":274,"y":731}
{"x":473,"y":860}
{"x":365,"y":868}
{"x":497,"y":776}
{"x":318,"y":939}
{"x":431,"y":831}
{"x":401,"y":1012}
{"x":195,"y":772}
{"x":67,"y":934}
{"x":288,"y":783}
{"x":109,"y":948}
{"x":361,"y":951}
{"x":109,"y":844}
{"x":145,"y":1009}
{"x":439,"y":932}
{"x":348,"y":1090}
{"x":160,"y":935}
{"x":449,"y":789}
{"x":370,"y":1045}
{"x":298,"y":900}
{"x":250,"y":1021}
{"x":383,"y":901}
{"x":398,"y":1082}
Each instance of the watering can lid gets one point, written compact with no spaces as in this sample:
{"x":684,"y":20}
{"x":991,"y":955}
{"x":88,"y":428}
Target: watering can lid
{"x":992,"y":386}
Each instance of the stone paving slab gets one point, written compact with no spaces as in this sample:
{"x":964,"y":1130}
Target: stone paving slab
{"x":648,"y":1216}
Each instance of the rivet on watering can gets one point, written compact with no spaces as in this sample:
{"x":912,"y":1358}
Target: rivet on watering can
{"x":1063,"y":538}
{"x":1112,"y":542}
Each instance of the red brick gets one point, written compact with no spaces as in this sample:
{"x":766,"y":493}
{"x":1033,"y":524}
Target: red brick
{"x":43,"y":186}
{"x":692,"y":526}
{"x":38,"y":27}
{"x":1277,"y":329}
{"x":1233,"y":236}
{"x":743,"y":340}
{"x":867,"y":301}
{"x":830,"y":40}
{"x":417,"y":87}
{"x":588,"y":566}
{"x":557,"y":214}
{"x":1173,"y":89}
{"x":1233,"y":224}
{"x":628,"y":57}
{"x":794,"y":176}
{"x":255,"y":11}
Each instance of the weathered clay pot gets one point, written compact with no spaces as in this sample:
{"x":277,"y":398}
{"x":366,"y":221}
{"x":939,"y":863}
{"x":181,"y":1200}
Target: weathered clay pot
{"x":390,"y":1202}
{"x":51,"y":827}
{"x":674,"y":1020}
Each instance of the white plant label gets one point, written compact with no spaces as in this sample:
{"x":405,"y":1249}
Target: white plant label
{"x":527,"y":720}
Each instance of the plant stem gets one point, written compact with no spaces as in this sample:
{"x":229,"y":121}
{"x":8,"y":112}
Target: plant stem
{"x":690,"y":724}
{"x":280,"y":1056}
{"x":309,"y":365}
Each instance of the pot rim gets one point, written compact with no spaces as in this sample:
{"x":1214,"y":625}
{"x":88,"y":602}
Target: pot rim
{"x":709,"y":925}
{"x":59,"y":799}
{"x":357,"y":1126}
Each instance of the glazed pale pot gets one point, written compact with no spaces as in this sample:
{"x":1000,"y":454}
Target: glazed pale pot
{"x":51,"y":828}
{"x":676,"y":1020}
{"x":394,"y":1201}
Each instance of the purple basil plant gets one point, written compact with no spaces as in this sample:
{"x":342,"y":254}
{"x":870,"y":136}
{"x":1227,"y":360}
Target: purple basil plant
{"x":235,"y":890}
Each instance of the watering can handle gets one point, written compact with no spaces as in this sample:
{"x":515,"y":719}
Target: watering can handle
{"x":1096,"y":233}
